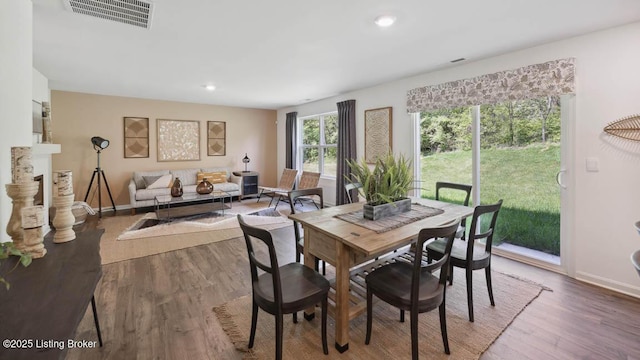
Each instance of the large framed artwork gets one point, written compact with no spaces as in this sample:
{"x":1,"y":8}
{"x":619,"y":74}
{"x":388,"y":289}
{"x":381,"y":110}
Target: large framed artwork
{"x":216,"y":138}
{"x":377,"y":133}
{"x":136,"y":137}
{"x":178,"y":140}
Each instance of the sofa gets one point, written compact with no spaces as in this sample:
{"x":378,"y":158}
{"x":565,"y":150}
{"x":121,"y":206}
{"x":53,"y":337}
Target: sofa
{"x":145,"y":185}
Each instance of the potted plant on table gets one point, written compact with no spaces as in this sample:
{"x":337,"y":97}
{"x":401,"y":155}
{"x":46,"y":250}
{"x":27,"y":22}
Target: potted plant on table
{"x":7,"y":249}
{"x":385,"y":187}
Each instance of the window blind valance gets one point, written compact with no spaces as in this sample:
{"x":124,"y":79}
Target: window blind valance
{"x":550,"y":78}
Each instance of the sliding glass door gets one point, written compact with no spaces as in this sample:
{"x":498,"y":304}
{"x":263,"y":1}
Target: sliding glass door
{"x":510,"y":151}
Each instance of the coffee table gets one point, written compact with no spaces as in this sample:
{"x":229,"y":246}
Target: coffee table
{"x":168,"y":207}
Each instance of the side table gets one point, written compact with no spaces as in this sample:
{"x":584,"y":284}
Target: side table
{"x":48,"y":298}
{"x":248,"y":183}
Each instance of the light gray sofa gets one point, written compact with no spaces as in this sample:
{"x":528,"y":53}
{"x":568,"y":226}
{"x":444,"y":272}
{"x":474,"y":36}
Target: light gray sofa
{"x":140,"y":196}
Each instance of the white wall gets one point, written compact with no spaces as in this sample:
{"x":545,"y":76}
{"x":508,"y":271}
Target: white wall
{"x":607,"y":203}
{"x":15,"y":92}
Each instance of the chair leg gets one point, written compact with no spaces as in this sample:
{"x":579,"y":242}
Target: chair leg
{"x":295,"y":317}
{"x":279,"y":330}
{"x":254,"y":322}
{"x":443,"y":328}
{"x":450,"y":274}
{"x":324,"y":267}
{"x":369,"y":315}
{"x":259,"y":195}
{"x":325,"y":348}
{"x":487,"y":272}
{"x":470,"y":292}
{"x":401,"y":315}
{"x":414,"y":334}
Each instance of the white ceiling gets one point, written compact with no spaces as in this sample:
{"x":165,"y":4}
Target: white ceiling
{"x":273,"y":54}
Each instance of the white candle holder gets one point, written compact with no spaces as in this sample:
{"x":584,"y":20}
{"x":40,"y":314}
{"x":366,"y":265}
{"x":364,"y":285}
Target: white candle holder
{"x":21,"y":195}
{"x":32,"y":222}
{"x":64,"y":219}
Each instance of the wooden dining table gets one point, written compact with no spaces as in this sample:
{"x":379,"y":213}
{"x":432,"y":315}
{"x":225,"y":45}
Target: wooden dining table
{"x":346,"y":246}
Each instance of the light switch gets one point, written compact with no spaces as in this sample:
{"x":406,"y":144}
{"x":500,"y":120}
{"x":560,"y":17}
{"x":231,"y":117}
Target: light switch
{"x":592,"y":164}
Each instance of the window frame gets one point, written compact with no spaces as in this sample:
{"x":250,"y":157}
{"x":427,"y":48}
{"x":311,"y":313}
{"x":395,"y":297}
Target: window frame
{"x":321,"y":146}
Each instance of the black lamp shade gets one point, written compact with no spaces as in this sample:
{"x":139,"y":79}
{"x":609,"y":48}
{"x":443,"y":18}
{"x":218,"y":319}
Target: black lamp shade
{"x":99,"y":142}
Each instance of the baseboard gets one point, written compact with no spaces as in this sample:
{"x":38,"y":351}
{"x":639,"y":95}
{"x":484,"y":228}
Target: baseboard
{"x":609,"y":284}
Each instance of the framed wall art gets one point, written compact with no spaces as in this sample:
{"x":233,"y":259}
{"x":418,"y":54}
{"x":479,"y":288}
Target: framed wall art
{"x":136,"y":137}
{"x":216,"y":138}
{"x":377,"y":133}
{"x":178,"y":140}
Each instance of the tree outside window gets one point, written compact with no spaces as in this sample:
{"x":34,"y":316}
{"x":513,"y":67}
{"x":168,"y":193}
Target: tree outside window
{"x":318,"y":145}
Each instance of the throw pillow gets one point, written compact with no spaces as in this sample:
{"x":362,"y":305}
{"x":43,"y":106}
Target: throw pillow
{"x":158,"y":182}
{"x":218,"y":177}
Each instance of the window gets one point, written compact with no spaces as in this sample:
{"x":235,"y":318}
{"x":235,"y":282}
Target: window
{"x":318,"y":145}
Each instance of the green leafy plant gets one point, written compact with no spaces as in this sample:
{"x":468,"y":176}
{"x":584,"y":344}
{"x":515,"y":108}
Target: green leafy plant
{"x":8,"y":249}
{"x":390,"y":179}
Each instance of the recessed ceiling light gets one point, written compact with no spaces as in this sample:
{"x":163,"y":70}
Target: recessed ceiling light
{"x":210,"y":87}
{"x":385,"y":20}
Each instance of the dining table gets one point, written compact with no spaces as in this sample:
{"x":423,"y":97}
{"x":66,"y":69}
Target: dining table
{"x":347,"y":245}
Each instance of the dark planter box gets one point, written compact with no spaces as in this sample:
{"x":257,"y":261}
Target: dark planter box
{"x":380,"y":211}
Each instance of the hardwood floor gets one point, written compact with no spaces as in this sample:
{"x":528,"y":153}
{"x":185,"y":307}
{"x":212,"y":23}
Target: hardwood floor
{"x":159,"y":307}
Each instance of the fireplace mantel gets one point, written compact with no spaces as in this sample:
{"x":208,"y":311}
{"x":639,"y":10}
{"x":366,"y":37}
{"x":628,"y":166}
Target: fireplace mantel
{"x":45,"y":149}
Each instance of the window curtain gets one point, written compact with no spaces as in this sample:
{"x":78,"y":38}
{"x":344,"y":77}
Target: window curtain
{"x":555,"y":77}
{"x":291,"y":139}
{"x":346,"y":147}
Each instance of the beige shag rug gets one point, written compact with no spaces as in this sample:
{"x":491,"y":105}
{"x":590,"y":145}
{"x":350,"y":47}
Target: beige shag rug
{"x":390,"y":339}
{"x":119,"y":244}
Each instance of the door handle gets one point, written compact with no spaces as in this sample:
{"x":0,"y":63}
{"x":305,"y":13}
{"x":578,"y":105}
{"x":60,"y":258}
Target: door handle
{"x":559,"y":178}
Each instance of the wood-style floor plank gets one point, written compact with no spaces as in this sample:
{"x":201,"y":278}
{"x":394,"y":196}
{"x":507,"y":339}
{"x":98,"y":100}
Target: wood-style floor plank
{"x":159,"y":307}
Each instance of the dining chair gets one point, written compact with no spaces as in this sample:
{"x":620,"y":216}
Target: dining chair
{"x":413,"y":287}
{"x":349,"y":188}
{"x":299,"y":237}
{"x":635,"y":260}
{"x":308,"y":180}
{"x":468,"y":256}
{"x":287,"y":182}
{"x":454,"y":187}
{"x":282,"y":290}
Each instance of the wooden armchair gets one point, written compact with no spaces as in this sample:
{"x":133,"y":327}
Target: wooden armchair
{"x":287,"y":181}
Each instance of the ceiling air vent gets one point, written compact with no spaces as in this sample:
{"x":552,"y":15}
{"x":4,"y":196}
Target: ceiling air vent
{"x":132,"y":12}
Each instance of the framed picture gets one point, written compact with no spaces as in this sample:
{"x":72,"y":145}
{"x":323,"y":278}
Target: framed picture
{"x":136,"y":137}
{"x":377,"y":133}
{"x":216,"y":138}
{"x":178,"y":140}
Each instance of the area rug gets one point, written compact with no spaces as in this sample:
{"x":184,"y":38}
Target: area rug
{"x":118,"y":244}
{"x":390,"y":338}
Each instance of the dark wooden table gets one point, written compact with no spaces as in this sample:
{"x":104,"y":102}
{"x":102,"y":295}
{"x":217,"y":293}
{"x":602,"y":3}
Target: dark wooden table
{"x":47,"y":300}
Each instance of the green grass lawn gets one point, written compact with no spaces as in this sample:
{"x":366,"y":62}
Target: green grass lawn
{"x":525,"y":178}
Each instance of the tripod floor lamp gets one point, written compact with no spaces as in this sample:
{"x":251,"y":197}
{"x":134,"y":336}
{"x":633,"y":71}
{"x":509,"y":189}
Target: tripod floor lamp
{"x":99,"y":144}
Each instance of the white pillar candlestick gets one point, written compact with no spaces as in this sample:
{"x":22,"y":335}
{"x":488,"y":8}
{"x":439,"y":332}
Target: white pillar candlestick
{"x":65,"y":183}
{"x":32,"y":216}
{"x":32,"y":222}
{"x":21,"y":165}
{"x":22,"y":196}
{"x":64,"y":219}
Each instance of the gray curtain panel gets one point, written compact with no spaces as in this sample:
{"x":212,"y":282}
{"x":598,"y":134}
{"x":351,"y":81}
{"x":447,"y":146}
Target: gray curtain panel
{"x":291,"y":136}
{"x":346,"y":147}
